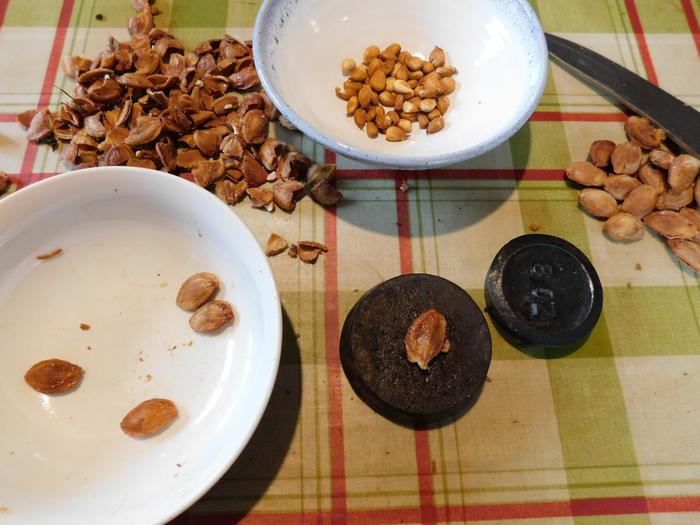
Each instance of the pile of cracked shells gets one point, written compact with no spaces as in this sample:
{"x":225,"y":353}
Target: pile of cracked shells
{"x":201,"y":115}
{"x":643,"y":183}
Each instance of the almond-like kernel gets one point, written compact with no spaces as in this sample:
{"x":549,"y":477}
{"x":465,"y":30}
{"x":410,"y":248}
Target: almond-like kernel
{"x":601,"y":151}
{"x":378,"y":81}
{"x":374,"y":65}
{"x":448,"y":85}
{"x":398,"y":101}
{"x":624,"y":227}
{"x":443,"y":104}
{"x":359,"y":74}
{"x":402,"y":87}
{"x":370,"y":53}
{"x":620,"y":186}
{"x":598,"y":203}
{"x":211,"y":316}
{"x":643,"y":132}
{"x":671,"y":224}
{"x":149,"y":418}
{"x":352,"y":106}
{"x":428,"y":104}
{"x":446,"y":71}
{"x":391,"y":51}
{"x":387,"y":66}
{"x":423,"y":121}
{"x":683,"y":171}
{"x":435,"y":125}
{"x":675,"y":199}
{"x":372,"y":130}
{"x":387,"y":99}
{"x":626,"y":158}
{"x":395,"y":134}
{"x":53,"y":376}
{"x":197,"y":290}
{"x":661,"y":158}
{"x":434,"y":114}
{"x":394,"y":117}
{"x":410,"y":107}
{"x":437,"y":57}
{"x":405,"y":125}
{"x":360,"y":118}
{"x":414,"y":63}
{"x":640,"y":202}
{"x":586,"y":174}
{"x":347,"y":66}
{"x":371,"y":113}
{"x":651,"y":175}
{"x":401,"y":72}
{"x":364,"y":97}
{"x":428,"y":92}
{"x":426,"y":338}
{"x":687,"y":252}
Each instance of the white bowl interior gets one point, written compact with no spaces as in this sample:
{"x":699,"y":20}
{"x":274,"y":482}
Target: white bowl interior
{"x":497,"y":47}
{"x":130,"y":237}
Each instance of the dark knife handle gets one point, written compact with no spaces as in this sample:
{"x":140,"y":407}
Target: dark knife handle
{"x":680,"y":121}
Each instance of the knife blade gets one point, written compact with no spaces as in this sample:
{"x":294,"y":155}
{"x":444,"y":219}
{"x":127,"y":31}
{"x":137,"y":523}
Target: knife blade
{"x":680,"y":121}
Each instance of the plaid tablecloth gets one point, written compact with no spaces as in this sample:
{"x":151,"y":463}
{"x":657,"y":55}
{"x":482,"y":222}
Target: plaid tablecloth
{"x":607,"y":434}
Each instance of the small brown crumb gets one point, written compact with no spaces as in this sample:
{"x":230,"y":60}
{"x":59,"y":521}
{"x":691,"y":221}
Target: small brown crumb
{"x":141,"y":359}
{"x":489,"y":380}
{"x":50,"y":255}
{"x":188,"y":343}
{"x":178,"y":465}
{"x":404,"y":186}
{"x":534,"y":227}
{"x":148,"y":378}
{"x":297,"y":335}
{"x":171,"y":348}
{"x":84,"y":327}
{"x":637,"y":267}
{"x":275,"y":245}
{"x":99,"y":16}
{"x":4,"y":510}
{"x":88,"y":347}
{"x":292,"y":251}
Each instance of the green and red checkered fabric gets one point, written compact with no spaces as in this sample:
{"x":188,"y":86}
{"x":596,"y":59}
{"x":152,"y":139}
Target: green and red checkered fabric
{"x":607,"y":434}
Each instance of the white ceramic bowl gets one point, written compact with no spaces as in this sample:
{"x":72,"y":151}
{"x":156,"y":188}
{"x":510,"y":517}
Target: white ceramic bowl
{"x":497,"y":46}
{"x":130,"y":237}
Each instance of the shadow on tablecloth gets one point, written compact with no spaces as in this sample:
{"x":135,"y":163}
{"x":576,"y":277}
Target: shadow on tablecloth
{"x":262,"y":458}
{"x":449,"y":199}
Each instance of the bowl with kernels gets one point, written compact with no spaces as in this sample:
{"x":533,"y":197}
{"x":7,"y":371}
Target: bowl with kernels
{"x":404,"y":84}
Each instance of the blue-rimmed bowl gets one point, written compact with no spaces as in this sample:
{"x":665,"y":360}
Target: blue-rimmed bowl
{"x":497,"y":46}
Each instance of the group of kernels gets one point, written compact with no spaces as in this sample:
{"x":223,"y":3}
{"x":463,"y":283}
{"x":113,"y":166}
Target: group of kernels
{"x":655,"y":187}
{"x":412,"y":90}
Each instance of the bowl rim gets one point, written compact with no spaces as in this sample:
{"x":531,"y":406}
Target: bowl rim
{"x":274,"y":323}
{"x":393,"y":160}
